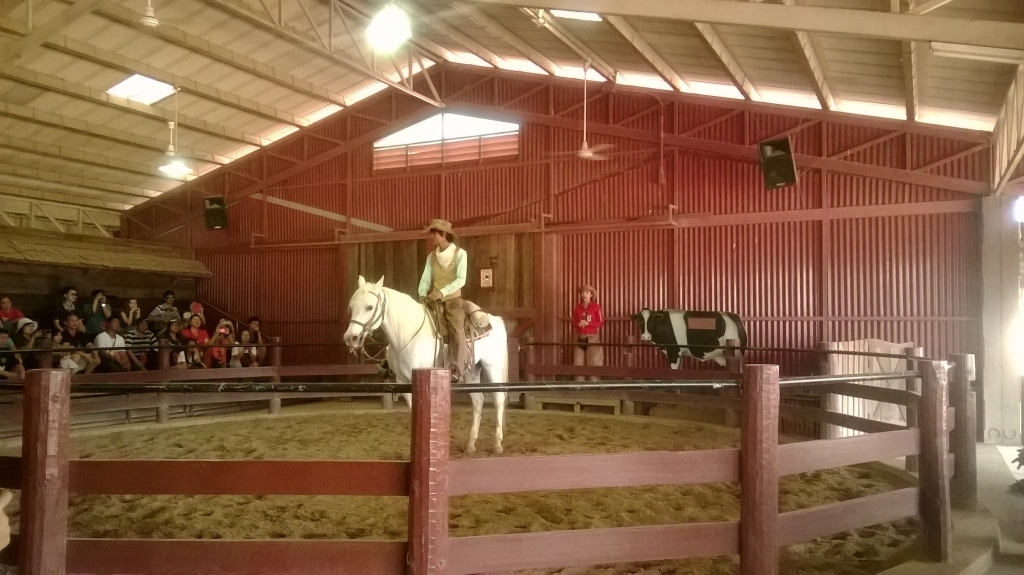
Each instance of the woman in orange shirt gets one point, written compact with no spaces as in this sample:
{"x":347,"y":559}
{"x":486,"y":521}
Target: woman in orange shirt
{"x":587,"y":319}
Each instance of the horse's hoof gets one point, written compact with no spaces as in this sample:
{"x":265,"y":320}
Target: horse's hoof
{"x":470,"y":449}
{"x":498,"y":450}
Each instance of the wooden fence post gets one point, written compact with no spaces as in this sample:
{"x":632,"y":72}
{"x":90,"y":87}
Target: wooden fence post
{"x":514,"y":375}
{"x":759,"y":471}
{"x":828,"y":430}
{"x":734,"y":364}
{"x":963,"y":487}
{"x":163,"y":358}
{"x":629,"y":360}
{"x":44,"y":464}
{"x":529,"y":399}
{"x":912,"y":385}
{"x":933,"y":479}
{"x":428,"y":473}
{"x":45,"y":356}
{"x":275,"y":361}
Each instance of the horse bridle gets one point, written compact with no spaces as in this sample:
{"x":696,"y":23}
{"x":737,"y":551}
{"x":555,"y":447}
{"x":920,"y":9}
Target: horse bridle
{"x":375,"y":319}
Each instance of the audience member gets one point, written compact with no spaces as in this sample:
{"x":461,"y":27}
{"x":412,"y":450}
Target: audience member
{"x":67,"y":305}
{"x":70,"y":360}
{"x":112,"y":360}
{"x":95,"y":313}
{"x":220,"y":342}
{"x":244,"y":354}
{"x":74,"y":336}
{"x":24,"y":338}
{"x":178,"y":344}
{"x":10,"y":362}
{"x":162,"y":314}
{"x":9,"y":315}
{"x":131,"y":314}
{"x":142,"y":345}
{"x":197,"y":337}
{"x":257,"y":338}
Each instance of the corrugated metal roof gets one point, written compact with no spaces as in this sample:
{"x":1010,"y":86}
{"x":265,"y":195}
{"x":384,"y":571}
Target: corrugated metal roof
{"x":251,"y":71}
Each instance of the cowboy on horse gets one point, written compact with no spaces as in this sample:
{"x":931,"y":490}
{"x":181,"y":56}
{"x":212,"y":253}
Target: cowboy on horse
{"x":441,"y":285}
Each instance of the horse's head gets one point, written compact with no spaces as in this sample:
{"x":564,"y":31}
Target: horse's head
{"x":366,"y":311}
{"x":641,"y":320}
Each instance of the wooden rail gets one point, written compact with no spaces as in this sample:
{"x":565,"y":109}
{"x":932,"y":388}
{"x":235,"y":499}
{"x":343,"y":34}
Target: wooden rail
{"x":431,"y":478}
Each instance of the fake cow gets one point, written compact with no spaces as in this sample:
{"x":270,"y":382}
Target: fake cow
{"x":707,"y":331}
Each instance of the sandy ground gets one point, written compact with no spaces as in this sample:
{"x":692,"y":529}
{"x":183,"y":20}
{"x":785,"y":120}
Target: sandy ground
{"x":385,"y":435}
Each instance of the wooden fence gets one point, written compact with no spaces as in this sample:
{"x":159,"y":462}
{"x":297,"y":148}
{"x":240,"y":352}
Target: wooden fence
{"x":46,"y":477}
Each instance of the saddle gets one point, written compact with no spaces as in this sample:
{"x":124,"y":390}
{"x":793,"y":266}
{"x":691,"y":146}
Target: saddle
{"x":478,"y":322}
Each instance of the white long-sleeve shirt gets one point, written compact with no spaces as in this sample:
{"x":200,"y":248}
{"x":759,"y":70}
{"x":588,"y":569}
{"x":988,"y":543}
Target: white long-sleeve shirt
{"x":444,"y":257}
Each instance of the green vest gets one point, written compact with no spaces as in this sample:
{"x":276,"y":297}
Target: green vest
{"x":442,"y":276}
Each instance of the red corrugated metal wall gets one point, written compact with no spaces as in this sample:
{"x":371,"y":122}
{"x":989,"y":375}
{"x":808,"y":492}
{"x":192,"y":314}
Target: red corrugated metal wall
{"x":889,"y":252}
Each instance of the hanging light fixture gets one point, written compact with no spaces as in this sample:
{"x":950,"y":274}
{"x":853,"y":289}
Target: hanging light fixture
{"x":149,"y":17}
{"x":174,"y":167}
{"x":388,"y":29}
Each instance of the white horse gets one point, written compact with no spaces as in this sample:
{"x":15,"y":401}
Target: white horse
{"x":412,"y":344}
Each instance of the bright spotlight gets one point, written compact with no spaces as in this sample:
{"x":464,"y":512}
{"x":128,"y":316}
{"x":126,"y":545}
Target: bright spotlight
{"x":1018,"y":209}
{"x":389,"y":28}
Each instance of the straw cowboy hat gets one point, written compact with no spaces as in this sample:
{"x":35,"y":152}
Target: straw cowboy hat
{"x":440,"y":225}
{"x":590,"y":288}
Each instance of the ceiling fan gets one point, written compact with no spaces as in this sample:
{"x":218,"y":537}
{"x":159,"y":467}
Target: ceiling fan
{"x":586,"y":151}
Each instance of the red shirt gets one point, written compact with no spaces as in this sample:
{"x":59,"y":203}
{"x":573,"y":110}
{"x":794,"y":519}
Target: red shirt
{"x":590,"y":312}
{"x":199,"y":336}
{"x":11,"y":316}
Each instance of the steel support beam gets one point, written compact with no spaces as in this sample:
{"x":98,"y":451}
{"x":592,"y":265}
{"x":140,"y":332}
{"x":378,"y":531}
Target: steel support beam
{"x":63,"y":194}
{"x":821,"y":89}
{"x":739,"y":151}
{"x":647,"y":51}
{"x":858,"y":23}
{"x":302,"y":40}
{"x":78,"y":182}
{"x":736,"y":73}
{"x":928,"y":6}
{"x":121,"y":137}
{"x":100,"y":97}
{"x":38,"y":35}
{"x":1008,"y":135}
{"x":542,"y":18}
{"x":505,"y":35}
{"x":204,"y":47}
{"x":47,"y":150}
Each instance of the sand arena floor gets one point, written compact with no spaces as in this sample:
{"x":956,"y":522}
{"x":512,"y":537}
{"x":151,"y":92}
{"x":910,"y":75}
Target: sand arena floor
{"x":337,"y":431}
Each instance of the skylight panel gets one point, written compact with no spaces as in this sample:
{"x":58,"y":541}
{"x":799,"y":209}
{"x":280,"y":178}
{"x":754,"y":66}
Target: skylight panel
{"x":796,"y":98}
{"x":571,"y":15}
{"x":141,"y":89}
{"x":446,"y":126}
{"x":642,"y":80}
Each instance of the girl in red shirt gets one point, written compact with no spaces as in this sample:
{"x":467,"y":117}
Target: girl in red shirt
{"x":587,"y":319}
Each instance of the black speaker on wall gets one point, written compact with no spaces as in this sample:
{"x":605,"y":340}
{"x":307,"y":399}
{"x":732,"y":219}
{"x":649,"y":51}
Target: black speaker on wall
{"x":216,"y":212}
{"x":777,"y":163}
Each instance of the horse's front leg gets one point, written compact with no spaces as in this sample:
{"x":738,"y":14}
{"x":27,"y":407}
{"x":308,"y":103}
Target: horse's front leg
{"x":408,"y":400}
{"x":474,"y":432}
{"x":499,"y":414}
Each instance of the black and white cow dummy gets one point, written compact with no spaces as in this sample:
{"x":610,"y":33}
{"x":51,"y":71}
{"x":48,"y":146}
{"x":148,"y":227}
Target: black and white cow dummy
{"x":669,"y":328}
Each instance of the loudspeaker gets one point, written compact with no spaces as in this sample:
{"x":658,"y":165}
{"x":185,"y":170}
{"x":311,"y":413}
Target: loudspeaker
{"x":216,"y":212}
{"x":777,"y":163}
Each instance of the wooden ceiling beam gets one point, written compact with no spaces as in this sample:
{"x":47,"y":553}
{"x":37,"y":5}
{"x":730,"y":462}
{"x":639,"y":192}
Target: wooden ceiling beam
{"x":841,"y":21}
